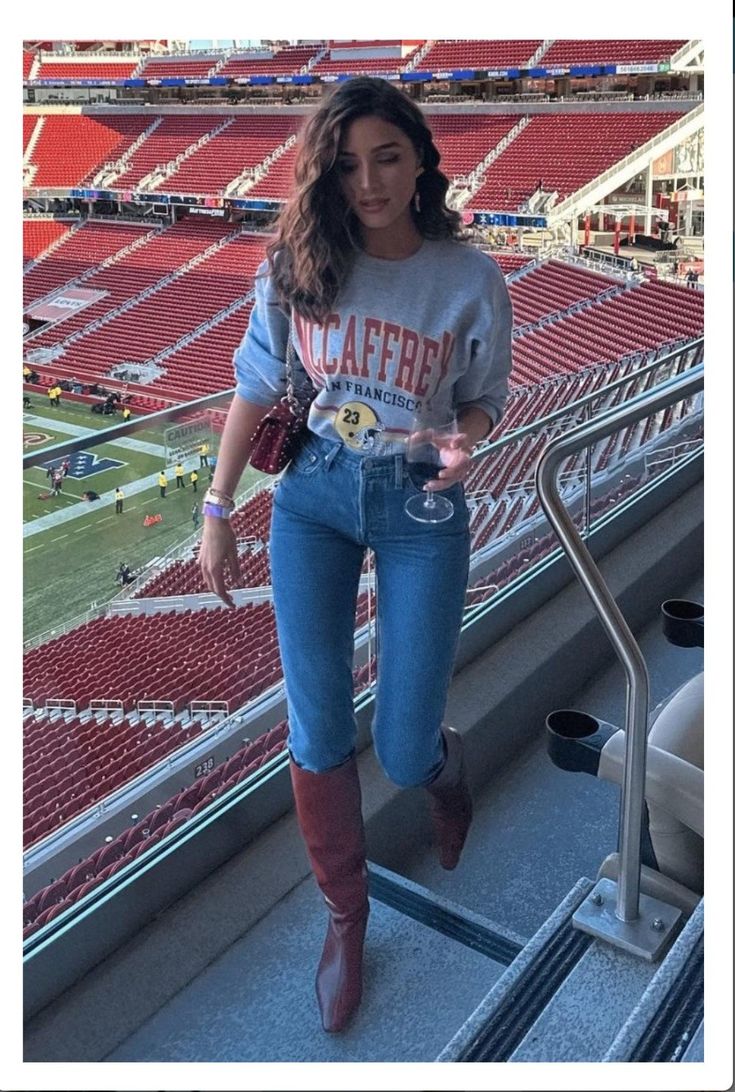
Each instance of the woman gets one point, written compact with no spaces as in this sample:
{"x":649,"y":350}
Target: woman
{"x":389,"y":309}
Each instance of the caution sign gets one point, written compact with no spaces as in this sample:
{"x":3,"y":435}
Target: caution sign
{"x":184,"y":440}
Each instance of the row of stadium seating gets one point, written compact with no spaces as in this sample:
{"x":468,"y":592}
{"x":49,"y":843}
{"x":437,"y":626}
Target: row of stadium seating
{"x":39,"y":234}
{"x":554,"y":286}
{"x":75,"y":765}
{"x":86,"y":874}
{"x":220,"y":654}
{"x":647,"y":317}
{"x":564,"y":151}
{"x":185,"y":578}
{"x":292,"y":60}
{"x":85,"y":246}
{"x":636,"y":319}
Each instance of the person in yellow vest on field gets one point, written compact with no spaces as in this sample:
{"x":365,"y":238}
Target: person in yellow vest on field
{"x":57,"y":394}
{"x":119,"y":498}
{"x":51,"y":392}
{"x":179,"y":472}
{"x":162,"y":482}
{"x":204,"y":454}
{"x":126,"y":413}
{"x":194,"y":478}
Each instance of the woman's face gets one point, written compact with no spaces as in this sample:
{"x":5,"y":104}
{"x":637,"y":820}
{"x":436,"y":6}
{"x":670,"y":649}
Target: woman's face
{"x":378,"y":167}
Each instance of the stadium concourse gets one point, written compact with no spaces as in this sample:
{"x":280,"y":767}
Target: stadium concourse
{"x":154,"y":720}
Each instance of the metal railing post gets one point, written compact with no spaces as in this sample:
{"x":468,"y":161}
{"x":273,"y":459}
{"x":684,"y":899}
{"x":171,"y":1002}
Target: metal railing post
{"x":636,"y":712}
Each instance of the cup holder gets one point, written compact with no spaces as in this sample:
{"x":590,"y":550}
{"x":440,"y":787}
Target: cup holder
{"x":575,"y":739}
{"x":683,"y":623}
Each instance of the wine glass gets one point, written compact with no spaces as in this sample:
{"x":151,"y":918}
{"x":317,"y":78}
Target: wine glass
{"x":427,"y":448}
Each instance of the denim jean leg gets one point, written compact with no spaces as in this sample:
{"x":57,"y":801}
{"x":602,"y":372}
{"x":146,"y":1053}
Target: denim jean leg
{"x":316,"y":573}
{"x":422,"y":582}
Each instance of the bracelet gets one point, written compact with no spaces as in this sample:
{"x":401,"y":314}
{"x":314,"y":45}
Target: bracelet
{"x":221,"y":495}
{"x":218,"y":498}
{"x":218,"y":510}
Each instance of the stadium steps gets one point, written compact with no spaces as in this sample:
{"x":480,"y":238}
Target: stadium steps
{"x":93,"y":270}
{"x":111,"y":171}
{"x":476,"y":178}
{"x":606,"y":182}
{"x":34,"y":69}
{"x":542,"y":49}
{"x":413,"y":65}
{"x":205,"y":328}
{"x":250,"y":176}
{"x":169,"y":278}
{"x":72,"y":230}
{"x":161,"y":174}
{"x":37,"y":130}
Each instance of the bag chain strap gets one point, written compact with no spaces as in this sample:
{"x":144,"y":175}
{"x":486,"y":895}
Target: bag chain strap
{"x":294,"y":405}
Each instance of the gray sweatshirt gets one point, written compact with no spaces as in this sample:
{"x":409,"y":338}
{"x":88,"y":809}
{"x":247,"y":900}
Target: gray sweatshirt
{"x":434,"y":329}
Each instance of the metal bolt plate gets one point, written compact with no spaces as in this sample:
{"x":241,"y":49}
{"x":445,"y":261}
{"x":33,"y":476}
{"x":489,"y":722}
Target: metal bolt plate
{"x":639,"y":937}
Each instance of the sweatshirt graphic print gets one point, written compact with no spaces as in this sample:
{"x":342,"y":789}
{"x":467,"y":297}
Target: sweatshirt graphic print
{"x":435,"y":327}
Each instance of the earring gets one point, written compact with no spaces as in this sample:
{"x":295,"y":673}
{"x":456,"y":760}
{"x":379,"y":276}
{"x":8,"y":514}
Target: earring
{"x":417,"y":201}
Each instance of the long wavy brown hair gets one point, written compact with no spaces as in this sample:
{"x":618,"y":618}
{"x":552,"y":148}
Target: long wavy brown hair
{"x":316,"y":231}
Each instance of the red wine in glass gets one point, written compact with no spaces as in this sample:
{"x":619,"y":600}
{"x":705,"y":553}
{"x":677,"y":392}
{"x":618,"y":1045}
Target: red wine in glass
{"x":431,"y":431}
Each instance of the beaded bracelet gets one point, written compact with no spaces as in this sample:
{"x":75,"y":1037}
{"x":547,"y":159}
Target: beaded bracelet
{"x":218,"y":510}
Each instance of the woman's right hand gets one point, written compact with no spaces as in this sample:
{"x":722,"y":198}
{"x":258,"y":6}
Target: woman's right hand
{"x":218,"y":546}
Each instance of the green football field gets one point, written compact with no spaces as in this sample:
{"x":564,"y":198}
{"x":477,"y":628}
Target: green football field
{"x":71,"y":565}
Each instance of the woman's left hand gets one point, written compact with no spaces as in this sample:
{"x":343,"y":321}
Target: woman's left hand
{"x":455,"y":454}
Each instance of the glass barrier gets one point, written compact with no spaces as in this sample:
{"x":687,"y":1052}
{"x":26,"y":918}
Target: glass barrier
{"x":146,"y":702}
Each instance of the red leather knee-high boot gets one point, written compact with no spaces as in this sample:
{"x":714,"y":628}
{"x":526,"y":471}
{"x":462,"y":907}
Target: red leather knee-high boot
{"x":328,"y":806}
{"x":451,"y":803}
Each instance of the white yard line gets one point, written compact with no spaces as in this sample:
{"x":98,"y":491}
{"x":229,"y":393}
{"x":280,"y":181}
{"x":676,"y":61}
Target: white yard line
{"x":59,"y":538}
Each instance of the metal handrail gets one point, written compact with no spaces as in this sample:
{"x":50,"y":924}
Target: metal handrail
{"x":219,"y":401}
{"x":628,"y":652}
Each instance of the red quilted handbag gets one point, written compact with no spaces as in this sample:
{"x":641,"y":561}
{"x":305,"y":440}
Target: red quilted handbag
{"x":283,"y":429}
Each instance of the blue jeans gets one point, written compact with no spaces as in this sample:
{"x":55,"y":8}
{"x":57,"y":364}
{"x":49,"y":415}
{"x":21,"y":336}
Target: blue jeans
{"x":330,"y":505}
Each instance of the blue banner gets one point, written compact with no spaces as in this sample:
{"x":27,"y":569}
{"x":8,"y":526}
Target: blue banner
{"x":252,"y":203}
{"x":414,"y":77}
{"x":173,"y":81}
{"x":463,"y":73}
{"x":303,"y":79}
{"x":508,"y":219}
{"x":261,"y":79}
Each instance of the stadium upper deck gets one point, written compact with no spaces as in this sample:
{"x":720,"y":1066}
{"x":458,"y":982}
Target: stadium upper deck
{"x":330,"y":59}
